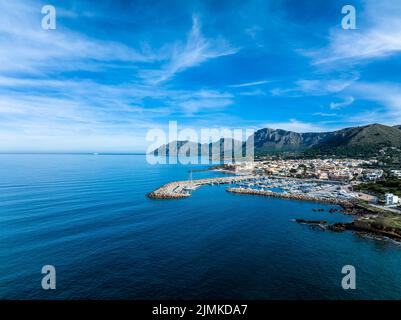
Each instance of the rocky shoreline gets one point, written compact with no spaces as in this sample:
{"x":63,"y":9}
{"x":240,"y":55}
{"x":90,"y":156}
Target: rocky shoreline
{"x":365,"y":223}
{"x":367,"y":227}
{"x":360,"y":226}
{"x":311,"y":222}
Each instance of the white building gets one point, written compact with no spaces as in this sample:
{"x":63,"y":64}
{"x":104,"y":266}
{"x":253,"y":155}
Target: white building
{"x":396,"y":173}
{"x":245,"y":167}
{"x":391,"y":199}
{"x":373,"y":175}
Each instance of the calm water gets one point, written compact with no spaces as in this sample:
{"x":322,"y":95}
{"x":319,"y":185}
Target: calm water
{"x":89,"y":217}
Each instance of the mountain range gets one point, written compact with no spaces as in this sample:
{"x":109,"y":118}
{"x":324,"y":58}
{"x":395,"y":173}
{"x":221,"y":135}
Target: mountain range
{"x":362,"y":140}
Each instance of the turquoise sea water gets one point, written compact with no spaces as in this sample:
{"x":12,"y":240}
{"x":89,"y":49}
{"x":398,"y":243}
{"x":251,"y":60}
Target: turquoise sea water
{"x":88,"y":216}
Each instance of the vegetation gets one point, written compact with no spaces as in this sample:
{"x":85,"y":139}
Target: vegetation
{"x":391,"y":220}
{"x":390,"y":158}
{"x":391,"y":185}
{"x":360,"y":151}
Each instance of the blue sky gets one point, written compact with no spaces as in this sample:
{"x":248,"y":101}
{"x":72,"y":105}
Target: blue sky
{"x":114,"y":69}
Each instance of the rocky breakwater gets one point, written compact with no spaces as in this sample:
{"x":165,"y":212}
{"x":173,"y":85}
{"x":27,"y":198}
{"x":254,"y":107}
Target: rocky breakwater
{"x":368,"y":227}
{"x":291,"y":196}
{"x":173,"y":190}
{"x":181,"y":189}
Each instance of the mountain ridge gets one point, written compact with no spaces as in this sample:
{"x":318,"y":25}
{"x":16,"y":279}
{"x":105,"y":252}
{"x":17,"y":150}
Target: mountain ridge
{"x":368,"y":139}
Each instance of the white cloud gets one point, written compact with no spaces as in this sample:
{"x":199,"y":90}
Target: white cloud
{"x":325,"y":114}
{"x":249,"y":84}
{"x":205,"y":101}
{"x":338,"y":105}
{"x":43,"y":109}
{"x":388,"y":95}
{"x":196,"y":50}
{"x":253,"y":93}
{"x":26,"y":47}
{"x":40,"y":109}
{"x":315,"y":87}
{"x":322,"y":87}
{"x":296,"y":126}
{"x":378,"y":35}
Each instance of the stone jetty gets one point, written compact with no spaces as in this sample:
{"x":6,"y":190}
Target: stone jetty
{"x":291,"y":196}
{"x":181,"y":189}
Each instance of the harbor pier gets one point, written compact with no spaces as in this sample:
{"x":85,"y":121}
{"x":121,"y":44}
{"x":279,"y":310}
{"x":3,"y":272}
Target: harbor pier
{"x":181,"y":189}
{"x":291,"y":196}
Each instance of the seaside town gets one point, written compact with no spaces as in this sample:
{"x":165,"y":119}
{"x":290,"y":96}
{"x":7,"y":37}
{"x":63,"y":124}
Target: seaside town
{"x":347,"y":174}
{"x":323,"y":169}
{"x":336,"y":179}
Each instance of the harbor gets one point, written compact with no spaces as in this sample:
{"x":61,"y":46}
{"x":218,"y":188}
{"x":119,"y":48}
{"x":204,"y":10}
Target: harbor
{"x":183,"y":189}
{"x":280,"y":187}
{"x":290,"y":196}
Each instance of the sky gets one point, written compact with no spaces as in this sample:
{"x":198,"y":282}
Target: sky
{"x":113,"y":70}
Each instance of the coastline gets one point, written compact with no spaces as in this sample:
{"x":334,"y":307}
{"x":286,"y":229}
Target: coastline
{"x":365,"y":224}
{"x":369,"y":220}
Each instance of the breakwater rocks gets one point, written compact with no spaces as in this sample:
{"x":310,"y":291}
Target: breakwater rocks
{"x":166,"y":195}
{"x":359,"y":226}
{"x":291,"y":196}
{"x":311,"y":222}
{"x":367,"y":227}
{"x":182,"y":189}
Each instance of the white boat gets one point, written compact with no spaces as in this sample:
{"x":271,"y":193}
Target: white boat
{"x":191,"y":186}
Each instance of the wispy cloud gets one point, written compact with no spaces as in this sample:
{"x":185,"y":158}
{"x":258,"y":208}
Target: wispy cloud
{"x":387,"y":95}
{"x":205,"y":101}
{"x":46,"y":94}
{"x":378,"y":35}
{"x":315,"y":87}
{"x":196,"y":50}
{"x":48,"y":108}
{"x":325,"y":114}
{"x":36,"y":51}
{"x":108,"y":75}
{"x":346,"y":102}
{"x":296,"y":126}
{"x":321,"y":87}
{"x":249,"y":84}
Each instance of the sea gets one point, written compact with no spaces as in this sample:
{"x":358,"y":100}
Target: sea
{"x":88,"y":216}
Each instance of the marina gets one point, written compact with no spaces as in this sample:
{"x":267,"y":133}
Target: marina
{"x":304,"y":189}
{"x":182,"y":189}
{"x":291,"y":196}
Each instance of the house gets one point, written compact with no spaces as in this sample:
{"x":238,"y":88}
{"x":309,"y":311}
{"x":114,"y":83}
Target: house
{"x":391,"y":199}
{"x":396,"y":173}
{"x":373,"y":175}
